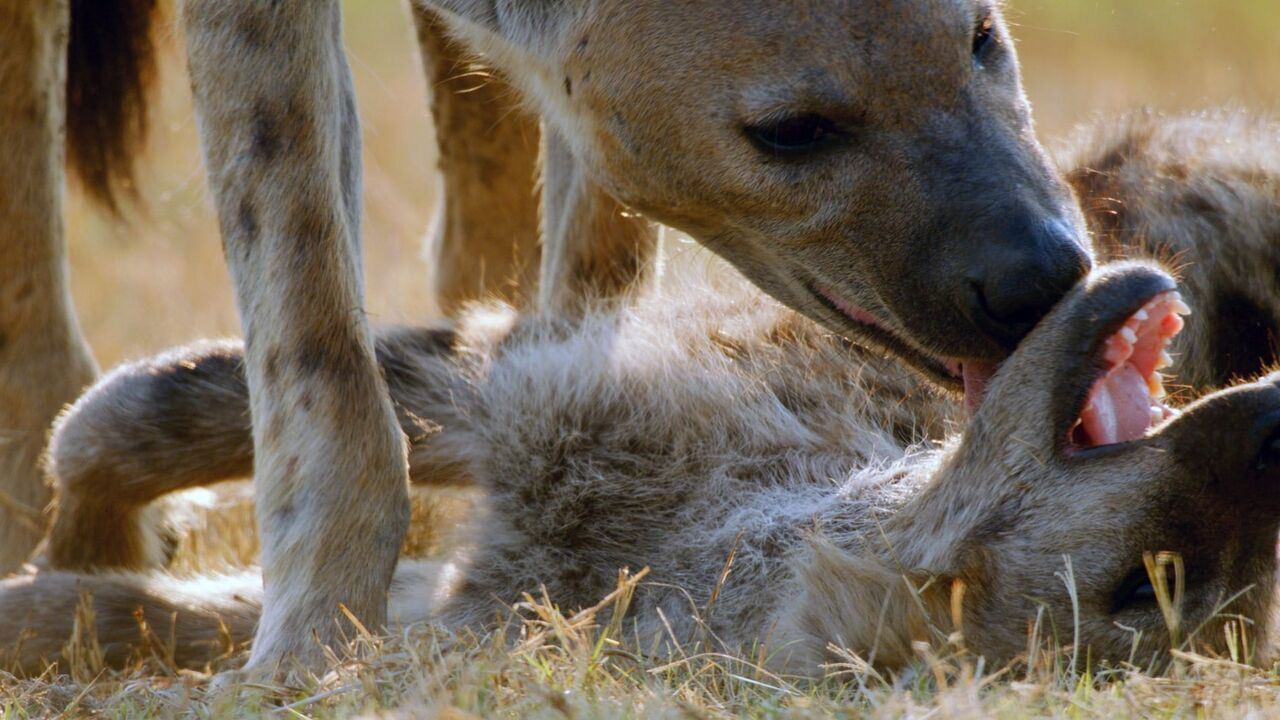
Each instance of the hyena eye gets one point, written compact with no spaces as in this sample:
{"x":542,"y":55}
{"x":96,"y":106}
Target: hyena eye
{"x":793,"y":136}
{"x":1136,"y":591}
{"x":984,"y":39}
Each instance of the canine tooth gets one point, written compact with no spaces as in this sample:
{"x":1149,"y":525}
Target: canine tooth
{"x":1165,"y":360}
{"x":1157,"y":415}
{"x":1155,"y":386}
{"x":1129,"y":335}
{"x":1178,"y":306}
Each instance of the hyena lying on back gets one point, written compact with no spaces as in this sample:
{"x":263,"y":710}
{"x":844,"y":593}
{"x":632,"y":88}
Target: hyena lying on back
{"x":677,"y":437}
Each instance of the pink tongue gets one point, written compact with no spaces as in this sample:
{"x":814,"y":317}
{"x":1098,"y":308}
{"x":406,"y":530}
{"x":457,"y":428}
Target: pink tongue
{"x":976,"y":376}
{"x":1119,"y":407}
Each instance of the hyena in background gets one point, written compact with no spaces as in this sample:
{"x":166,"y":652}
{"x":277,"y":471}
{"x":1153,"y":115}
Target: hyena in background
{"x":824,"y":149}
{"x":1202,"y":193}
{"x":770,"y":474}
{"x":95,"y":95}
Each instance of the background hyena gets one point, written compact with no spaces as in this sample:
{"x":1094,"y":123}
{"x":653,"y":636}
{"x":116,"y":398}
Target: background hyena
{"x":1202,"y":193}
{"x":774,"y":478}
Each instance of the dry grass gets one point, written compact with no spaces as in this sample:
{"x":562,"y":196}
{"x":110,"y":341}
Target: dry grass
{"x":584,"y":665}
{"x":158,"y":280}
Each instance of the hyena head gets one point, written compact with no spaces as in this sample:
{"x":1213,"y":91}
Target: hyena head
{"x":1074,"y":456}
{"x":871,"y":163}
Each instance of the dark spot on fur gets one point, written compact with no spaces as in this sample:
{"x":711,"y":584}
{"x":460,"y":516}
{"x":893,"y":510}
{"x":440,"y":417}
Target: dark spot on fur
{"x":307,"y":401}
{"x":582,"y":44}
{"x":4,"y":340}
{"x":248,"y":224}
{"x":313,"y":231}
{"x":335,"y":355}
{"x":568,"y":86}
{"x":271,"y":371}
{"x":1244,"y":340}
{"x":275,"y":429}
{"x":291,"y":466}
{"x":265,"y":141}
{"x":1202,"y":207}
{"x":25,"y":290}
{"x":258,"y":31}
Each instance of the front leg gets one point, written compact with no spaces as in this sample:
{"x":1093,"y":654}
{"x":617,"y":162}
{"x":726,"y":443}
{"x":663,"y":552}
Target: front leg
{"x":282,"y":143}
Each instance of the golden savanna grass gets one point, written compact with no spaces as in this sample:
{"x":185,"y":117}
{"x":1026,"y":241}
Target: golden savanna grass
{"x":156,"y":278}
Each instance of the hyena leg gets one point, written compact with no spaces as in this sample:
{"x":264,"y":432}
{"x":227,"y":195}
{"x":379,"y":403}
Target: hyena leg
{"x":486,"y":237}
{"x":181,"y":420}
{"x":485,"y":241}
{"x":44,"y":360}
{"x":282,"y":144}
{"x":593,"y":248}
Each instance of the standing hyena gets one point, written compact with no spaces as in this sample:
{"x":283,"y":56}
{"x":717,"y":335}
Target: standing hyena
{"x":870,"y":163}
{"x":768,"y":473}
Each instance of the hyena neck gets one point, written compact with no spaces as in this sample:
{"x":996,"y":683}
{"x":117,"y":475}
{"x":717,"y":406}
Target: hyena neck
{"x":859,"y":555}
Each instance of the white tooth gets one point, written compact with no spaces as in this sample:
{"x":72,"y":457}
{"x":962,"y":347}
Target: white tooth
{"x":1165,"y":360}
{"x":1157,"y":415}
{"x":1178,"y":306}
{"x":1129,"y":335}
{"x":1142,"y":316}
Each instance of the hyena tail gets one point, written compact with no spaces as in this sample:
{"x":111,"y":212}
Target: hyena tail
{"x":110,"y":67}
{"x":112,"y":619}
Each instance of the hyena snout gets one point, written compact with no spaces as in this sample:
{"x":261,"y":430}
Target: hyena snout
{"x":1023,"y":266}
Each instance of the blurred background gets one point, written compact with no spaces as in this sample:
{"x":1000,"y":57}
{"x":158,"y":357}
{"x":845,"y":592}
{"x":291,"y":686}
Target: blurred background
{"x":156,"y":277}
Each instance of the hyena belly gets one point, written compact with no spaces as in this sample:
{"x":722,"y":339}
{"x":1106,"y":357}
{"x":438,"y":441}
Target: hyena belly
{"x":691,"y":442}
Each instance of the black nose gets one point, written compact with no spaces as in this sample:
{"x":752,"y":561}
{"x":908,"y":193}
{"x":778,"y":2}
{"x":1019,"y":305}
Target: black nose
{"x":1023,"y":270}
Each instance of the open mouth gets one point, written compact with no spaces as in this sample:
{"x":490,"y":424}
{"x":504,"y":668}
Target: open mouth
{"x":1128,"y":397}
{"x":1126,"y":400}
{"x":968,"y":376}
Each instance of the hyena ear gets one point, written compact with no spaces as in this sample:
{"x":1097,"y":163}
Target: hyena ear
{"x":521,"y":39}
{"x":508,"y":31}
